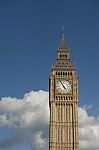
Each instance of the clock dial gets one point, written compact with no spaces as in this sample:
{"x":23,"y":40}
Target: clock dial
{"x":63,"y":86}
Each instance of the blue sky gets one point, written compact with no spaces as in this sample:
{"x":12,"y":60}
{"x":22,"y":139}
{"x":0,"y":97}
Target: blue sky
{"x":30,"y":36}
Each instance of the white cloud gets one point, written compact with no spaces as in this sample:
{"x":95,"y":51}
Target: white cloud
{"x":88,"y":131}
{"x":87,"y":107}
{"x":28,"y":120}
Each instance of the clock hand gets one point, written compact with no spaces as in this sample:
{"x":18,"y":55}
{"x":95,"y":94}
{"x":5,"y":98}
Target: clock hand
{"x":63,"y":85}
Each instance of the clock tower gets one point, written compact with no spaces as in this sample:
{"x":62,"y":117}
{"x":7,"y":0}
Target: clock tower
{"x":63,"y":102}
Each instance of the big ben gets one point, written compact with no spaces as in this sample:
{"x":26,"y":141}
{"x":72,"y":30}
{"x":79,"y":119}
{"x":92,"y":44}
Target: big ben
{"x":63,"y":101}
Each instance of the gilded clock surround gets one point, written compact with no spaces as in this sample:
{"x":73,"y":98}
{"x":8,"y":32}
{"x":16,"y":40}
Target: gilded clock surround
{"x":63,"y":128}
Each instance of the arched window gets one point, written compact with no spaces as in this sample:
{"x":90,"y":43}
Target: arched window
{"x":66,"y":114}
{"x":58,"y":134}
{"x":61,"y":135}
{"x":58,"y":113}
{"x":71,"y":73}
{"x":58,"y":73}
{"x":61,"y":113}
{"x":58,"y":97}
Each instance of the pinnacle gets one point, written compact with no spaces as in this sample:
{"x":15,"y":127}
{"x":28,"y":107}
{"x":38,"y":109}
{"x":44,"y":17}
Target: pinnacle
{"x":63,"y":45}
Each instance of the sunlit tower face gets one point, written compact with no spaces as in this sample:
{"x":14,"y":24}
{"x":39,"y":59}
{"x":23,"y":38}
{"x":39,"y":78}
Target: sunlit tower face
{"x":63,"y":102}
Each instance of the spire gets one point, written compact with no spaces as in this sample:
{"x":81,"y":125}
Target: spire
{"x":62,"y":42}
{"x":62,"y":38}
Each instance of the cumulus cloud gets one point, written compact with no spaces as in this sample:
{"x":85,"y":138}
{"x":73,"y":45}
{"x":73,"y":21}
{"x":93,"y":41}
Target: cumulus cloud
{"x":88,"y":131}
{"x":28,"y":120}
{"x":87,"y":107}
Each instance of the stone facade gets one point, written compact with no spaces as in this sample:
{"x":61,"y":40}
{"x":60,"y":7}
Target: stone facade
{"x":63,"y":102}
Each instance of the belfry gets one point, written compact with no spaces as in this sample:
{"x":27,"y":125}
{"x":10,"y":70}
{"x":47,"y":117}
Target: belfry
{"x":63,"y":101}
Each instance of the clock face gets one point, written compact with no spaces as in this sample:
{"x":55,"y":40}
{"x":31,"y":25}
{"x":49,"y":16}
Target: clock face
{"x":63,"y":86}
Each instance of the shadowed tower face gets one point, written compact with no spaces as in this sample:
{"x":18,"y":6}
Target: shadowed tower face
{"x":63,"y":102}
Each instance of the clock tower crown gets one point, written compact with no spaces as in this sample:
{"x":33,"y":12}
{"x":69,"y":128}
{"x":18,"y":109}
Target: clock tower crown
{"x":63,"y":50}
{"x":63,"y":53}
